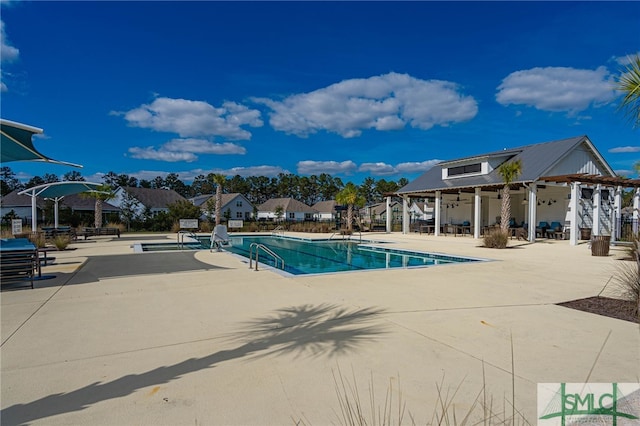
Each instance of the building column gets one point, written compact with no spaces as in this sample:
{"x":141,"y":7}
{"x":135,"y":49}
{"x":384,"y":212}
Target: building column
{"x":597,"y":200}
{"x":573,"y":214}
{"x":34,"y":213}
{"x":477,"y":214}
{"x":436,"y":230}
{"x":636,"y":210}
{"x":389,"y":213}
{"x":533,"y":208}
{"x":617,"y":214}
{"x":405,"y":214}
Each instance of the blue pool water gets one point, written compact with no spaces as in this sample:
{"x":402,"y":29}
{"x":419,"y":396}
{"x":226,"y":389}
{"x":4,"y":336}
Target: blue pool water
{"x":328,"y":256}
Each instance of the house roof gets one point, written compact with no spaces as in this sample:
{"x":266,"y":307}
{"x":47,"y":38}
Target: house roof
{"x":327,"y":206}
{"x":288,"y":204}
{"x":154,"y":198}
{"x":77,"y":202}
{"x":537,"y":161}
{"x":381,"y":208}
{"x":13,"y":199}
{"x":200,"y":200}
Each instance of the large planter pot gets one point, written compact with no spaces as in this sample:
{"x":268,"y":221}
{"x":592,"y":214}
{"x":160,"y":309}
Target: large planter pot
{"x":600,"y":245}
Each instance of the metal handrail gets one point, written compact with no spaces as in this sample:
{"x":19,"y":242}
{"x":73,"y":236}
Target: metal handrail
{"x":181,"y":235}
{"x":278,"y":230}
{"x":267,"y":250}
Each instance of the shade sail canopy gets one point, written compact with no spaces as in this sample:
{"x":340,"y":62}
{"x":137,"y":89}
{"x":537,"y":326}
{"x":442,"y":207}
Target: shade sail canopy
{"x":56,"y":191}
{"x":60,"y":189}
{"x":18,"y":146}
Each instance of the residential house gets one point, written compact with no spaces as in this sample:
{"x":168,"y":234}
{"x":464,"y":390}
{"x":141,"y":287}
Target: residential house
{"x":292,"y":210}
{"x":234,"y":206}
{"x":325,"y":210}
{"x":565,"y":181}
{"x":21,"y":206}
{"x":377,"y":213}
{"x":151,"y":200}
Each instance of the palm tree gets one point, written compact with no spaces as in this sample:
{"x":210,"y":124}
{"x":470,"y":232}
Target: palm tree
{"x":219,"y":180}
{"x":349,"y":196}
{"x":509,"y":172}
{"x":101,"y":194}
{"x":629,"y":84}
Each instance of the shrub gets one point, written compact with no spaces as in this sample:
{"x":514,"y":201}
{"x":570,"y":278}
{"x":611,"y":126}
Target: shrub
{"x":37,"y":239}
{"x":205,"y":226}
{"x":628,"y":283}
{"x":61,"y":241}
{"x":496,"y":239}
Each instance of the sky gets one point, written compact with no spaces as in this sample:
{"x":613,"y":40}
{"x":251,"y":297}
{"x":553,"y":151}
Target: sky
{"x":352,"y":89}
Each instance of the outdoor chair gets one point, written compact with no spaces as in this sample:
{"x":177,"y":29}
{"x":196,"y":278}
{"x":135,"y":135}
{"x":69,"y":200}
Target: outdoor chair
{"x":541,"y":229}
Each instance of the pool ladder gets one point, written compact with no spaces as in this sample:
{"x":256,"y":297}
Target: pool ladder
{"x":181,"y":235}
{"x":346,"y":237}
{"x":267,"y":250}
{"x":278,"y":230}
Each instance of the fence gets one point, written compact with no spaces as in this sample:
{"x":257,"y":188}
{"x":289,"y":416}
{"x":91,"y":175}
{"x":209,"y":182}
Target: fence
{"x":628,"y":229}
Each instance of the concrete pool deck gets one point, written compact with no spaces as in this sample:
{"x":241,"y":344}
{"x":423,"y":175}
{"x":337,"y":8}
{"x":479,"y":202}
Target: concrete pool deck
{"x":198,"y":338}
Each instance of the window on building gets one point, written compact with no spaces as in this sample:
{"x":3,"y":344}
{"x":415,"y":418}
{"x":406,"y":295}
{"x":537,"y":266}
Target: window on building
{"x":238,"y":215}
{"x":463,"y":170}
{"x":292,"y":215}
{"x":239,"y":203}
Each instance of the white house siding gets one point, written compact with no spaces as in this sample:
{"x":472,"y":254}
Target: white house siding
{"x":239,"y":208}
{"x":578,"y":161}
{"x":118,"y":200}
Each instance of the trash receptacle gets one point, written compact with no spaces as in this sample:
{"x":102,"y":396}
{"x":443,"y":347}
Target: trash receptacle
{"x":600,"y":245}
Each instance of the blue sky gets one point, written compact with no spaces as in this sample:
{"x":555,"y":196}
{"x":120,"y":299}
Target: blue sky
{"x":352,"y":89}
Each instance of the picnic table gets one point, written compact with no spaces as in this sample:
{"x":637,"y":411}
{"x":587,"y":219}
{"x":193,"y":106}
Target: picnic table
{"x":19,"y":260}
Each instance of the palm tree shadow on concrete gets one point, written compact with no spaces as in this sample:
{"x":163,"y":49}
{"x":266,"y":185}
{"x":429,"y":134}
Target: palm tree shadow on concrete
{"x":316,"y":330}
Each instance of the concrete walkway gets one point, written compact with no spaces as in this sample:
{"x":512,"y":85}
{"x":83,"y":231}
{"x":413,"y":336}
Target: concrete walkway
{"x":123,"y":338}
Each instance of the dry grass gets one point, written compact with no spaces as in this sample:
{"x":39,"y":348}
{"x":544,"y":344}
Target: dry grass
{"x":496,"y":239}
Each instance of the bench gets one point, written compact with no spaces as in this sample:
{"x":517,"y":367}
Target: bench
{"x":88,"y":232}
{"x":18,"y":265}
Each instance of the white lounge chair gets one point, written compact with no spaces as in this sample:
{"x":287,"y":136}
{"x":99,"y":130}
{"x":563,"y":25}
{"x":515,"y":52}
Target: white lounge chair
{"x":219,"y":237}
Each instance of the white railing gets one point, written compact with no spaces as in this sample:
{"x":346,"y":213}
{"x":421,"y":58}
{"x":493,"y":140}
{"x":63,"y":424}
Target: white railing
{"x":278,"y":230}
{"x":267,"y":250}
{"x":181,"y":235}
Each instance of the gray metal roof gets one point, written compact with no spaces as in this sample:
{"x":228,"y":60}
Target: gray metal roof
{"x":154,"y":198}
{"x":537,"y":160}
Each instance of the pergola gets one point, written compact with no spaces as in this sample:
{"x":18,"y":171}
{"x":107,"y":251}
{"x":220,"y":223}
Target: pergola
{"x":574,"y":181}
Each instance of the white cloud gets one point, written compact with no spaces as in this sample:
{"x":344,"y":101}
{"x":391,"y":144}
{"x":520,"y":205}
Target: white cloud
{"x":557,"y":88}
{"x":8,"y":53}
{"x":387,"y":102}
{"x":185,"y":150}
{"x":150,"y":153}
{"x":189,"y":175}
{"x":377,"y":169}
{"x":416,"y":167}
{"x":309,"y":167}
{"x":624,"y":149}
{"x":626,"y":59}
{"x":194,"y":118}
{"x":349,"y":167}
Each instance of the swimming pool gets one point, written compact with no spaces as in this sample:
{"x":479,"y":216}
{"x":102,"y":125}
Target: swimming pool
{"x":302,"y":256}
